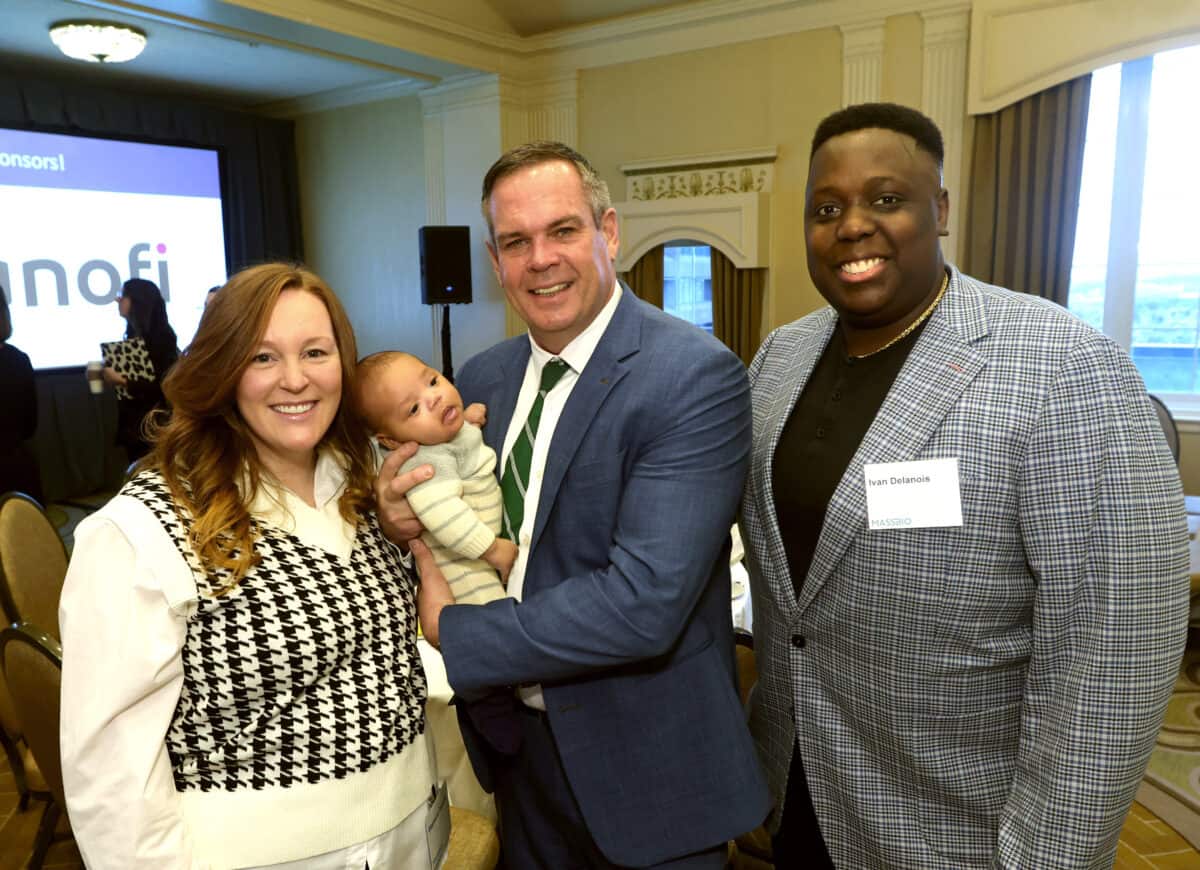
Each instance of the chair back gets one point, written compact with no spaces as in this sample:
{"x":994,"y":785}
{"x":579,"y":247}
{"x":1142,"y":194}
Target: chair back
{"x":1167,"y":420}
{"x":747,"y":667}
{"x":32,"y":663}
{"x":33,"y":563}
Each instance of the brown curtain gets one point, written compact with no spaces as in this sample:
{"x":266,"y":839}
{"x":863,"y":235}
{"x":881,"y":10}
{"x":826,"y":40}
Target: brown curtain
{"x":645,"y":279}
{"x":1025,"y":178}
{"x":737,"y":297}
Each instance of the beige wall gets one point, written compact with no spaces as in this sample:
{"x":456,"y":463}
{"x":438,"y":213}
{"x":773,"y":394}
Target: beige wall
{"x":770,"y":92}
{"x":362,"y":193}
{"x":902,"y":60}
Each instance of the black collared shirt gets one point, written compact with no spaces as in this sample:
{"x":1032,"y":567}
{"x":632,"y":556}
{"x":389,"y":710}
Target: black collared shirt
{"x":825,"y":428}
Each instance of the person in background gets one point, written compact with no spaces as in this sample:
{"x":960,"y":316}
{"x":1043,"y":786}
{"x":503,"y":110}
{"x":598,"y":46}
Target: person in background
{"x":19,"y":470}
{"x":241,"y":683}
{"x":208,"y":297}
{"x":145,"y":313}
{"x":621,"y":479}
{"x":966,"y":541}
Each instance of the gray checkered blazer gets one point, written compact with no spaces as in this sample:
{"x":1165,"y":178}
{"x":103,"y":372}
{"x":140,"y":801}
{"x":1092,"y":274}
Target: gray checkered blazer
{"x":983,"y":696}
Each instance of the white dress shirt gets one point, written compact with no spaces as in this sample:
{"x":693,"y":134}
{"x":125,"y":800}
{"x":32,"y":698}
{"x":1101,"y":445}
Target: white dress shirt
{"x":576,"y":355}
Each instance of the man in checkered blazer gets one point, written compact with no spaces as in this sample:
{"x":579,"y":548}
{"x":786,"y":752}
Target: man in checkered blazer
{"x":936,"y":693}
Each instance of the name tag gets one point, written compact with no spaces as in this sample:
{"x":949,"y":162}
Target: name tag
{"x":913,"y":495}
{"x":437,"y":825}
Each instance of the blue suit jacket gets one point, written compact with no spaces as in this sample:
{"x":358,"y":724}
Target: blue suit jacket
{"x":626,"y":615}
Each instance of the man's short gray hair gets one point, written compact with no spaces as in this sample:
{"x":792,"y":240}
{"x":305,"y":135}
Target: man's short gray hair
{"x":545,"y":151}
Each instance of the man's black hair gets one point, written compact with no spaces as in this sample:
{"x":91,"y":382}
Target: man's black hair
{"x":884,"y":116}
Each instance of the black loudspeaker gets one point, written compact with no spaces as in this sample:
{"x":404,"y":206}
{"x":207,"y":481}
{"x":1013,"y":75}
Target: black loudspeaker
{"x":445,"y":265}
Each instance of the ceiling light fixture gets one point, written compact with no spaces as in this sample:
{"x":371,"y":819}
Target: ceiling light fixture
{"x":98,"y":41}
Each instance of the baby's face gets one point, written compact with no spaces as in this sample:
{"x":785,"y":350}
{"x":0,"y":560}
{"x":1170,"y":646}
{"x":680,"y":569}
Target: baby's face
{"x":412,"y":402}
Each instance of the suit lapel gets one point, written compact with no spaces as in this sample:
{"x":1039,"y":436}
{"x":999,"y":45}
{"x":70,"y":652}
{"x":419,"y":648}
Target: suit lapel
{"x":939,"y":368}
{"x":604,"y":370}
{"x":499,"y":387}
{"x":789,"y":371}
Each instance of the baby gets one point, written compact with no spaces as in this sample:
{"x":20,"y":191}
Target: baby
{"x":402,"y":399}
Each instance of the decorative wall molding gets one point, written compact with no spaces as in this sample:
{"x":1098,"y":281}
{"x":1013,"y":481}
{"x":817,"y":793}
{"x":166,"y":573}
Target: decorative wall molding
{"x":720,"y":199}
{"x":944,"y":99}
{"x":738,"y":224}
{"x":552,"y":109}
{"x":862,"y":61}
{"x":689,"y":176}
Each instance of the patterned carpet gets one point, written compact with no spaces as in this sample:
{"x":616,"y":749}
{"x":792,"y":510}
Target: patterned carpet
{"x":1175,"y":765}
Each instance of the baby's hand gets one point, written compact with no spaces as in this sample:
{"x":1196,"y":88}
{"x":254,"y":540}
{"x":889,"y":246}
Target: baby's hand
{"x":476,"y":414}
{"x":501,"y":555}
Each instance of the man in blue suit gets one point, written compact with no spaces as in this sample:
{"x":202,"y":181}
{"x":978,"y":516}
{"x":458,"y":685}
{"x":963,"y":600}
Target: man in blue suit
{"x":632,"y":748}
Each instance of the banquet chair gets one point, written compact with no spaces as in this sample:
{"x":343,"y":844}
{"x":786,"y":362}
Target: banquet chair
{"x":26,"y":775}
{"x":747,"y":670}
{"x":474,"y":844}
{"x":31,"y":661}
{"x":1167,"y":420}
{"x":33,"y":563}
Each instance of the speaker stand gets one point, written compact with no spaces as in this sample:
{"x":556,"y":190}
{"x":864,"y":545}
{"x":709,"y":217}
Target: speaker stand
{"x":447,"y":363}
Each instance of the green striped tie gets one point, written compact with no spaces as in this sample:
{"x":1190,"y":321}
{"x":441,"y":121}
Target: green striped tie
{"x":516,"y":471}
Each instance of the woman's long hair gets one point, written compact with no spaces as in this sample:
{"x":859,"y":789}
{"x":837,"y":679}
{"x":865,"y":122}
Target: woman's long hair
{"x":206,"y":448}
{"x":5,"y":318}
{"x":148,"y":318}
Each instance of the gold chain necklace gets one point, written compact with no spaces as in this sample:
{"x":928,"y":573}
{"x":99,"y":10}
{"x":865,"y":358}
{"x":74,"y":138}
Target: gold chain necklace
{"x":908,"y":329}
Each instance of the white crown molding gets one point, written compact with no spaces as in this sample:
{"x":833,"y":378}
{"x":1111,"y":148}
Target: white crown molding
{"x":792,"y":15}
{"x":401,"y":12}
{"x":553,"y":89}
{"x":461,"y":92}
{"x":697,"y":25}
{"x":340,"y":97}
{"x":709,"y":25}
{"x":864,"y":37}
{"x":948,"y":25}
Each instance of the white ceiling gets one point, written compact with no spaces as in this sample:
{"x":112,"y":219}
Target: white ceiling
{"x":233,"y":56}
{"x":212,"y":51}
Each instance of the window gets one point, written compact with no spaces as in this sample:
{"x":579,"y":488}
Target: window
{"x":687,"y":283}
{"x":1136,"y":268}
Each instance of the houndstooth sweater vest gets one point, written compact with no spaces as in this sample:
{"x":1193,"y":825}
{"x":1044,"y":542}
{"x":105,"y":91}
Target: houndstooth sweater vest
{"x":306,"y":671}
